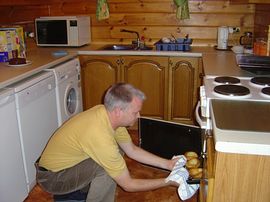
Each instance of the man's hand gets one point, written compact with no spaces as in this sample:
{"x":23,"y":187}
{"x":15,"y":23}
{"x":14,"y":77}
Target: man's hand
{"x":172,"y":162}
{"x":178,"y":161}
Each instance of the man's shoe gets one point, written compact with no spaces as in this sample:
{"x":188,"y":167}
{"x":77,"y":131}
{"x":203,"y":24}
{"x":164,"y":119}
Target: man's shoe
{"x":77,"y":196}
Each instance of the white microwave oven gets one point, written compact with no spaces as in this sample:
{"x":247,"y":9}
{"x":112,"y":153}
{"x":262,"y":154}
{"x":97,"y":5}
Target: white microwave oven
{"x":63,"y":31}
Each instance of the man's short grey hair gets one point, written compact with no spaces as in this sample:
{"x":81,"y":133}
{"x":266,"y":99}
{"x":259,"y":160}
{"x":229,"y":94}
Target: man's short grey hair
{"x":121,"y":95}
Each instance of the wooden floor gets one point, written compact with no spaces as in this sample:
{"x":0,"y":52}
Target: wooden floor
{"x":167,"y":194}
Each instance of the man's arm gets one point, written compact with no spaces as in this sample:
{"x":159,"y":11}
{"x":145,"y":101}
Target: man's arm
{"x":142,"y":156}
{"x":134,"y":185}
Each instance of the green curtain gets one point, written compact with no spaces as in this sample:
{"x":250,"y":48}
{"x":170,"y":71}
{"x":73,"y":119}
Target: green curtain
{"x":182,"y":9}
{"x":102,"y":11}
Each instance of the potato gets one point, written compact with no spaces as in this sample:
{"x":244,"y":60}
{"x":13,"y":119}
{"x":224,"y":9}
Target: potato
{"x":190,"y":155}
{"x":195,"y":172}
{"x":193,"y":163}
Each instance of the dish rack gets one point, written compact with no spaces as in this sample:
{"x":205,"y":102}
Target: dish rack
{"x":181,"y":44}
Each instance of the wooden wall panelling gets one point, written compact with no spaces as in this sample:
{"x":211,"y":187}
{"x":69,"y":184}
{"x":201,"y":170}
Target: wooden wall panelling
{"x":73,"y":8}
{"x":153,"y":19}
{"x":22,"y":15}
{"x":202,"y":27}
{"x":262,"y":20}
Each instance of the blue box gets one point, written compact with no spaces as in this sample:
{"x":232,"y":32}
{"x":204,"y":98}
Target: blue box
{"x":4,"y":56}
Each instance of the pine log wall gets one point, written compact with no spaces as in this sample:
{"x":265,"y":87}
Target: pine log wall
{"x":153,"y":19}
{"x":262,"y":20}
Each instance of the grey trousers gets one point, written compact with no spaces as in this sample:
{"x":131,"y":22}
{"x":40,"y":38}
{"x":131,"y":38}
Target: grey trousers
{"x":102,"y":186}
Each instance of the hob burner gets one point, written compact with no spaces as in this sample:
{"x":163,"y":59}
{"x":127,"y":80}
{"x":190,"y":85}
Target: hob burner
{"x":232,"y":90}
{"x":262,"y":81}
{"x":266,"y":91}
{"x":227,"y":80}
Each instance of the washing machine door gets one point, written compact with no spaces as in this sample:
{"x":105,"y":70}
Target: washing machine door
{"x":71,"y":101}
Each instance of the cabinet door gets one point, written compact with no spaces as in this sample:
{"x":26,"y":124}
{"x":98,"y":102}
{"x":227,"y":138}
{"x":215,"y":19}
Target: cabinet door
{"x":183,"y":93}
{"x":98,"y":73}
{"x":241,"y":177}
{"x":149,"y":74}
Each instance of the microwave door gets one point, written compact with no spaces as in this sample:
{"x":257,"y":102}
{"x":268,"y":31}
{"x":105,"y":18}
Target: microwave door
{"x":52,"y":32}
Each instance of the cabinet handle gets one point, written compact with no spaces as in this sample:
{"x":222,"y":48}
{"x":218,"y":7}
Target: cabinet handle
{"x":170,"y":63}
{"x":118,"y":61}
{"x":204,"y":147}
{"x":201,"y":75}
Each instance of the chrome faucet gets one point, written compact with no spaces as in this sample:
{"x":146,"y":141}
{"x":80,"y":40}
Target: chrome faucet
{"x":138,"y":41}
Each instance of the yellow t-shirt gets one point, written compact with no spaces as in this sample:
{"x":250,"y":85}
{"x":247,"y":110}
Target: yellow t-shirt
{"x":88,"y":134}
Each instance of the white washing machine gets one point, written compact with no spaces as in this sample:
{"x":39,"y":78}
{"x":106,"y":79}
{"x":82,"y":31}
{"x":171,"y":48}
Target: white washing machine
{"x":68,"y":89}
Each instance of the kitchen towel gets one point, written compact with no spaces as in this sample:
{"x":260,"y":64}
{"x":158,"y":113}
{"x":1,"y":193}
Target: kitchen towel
{"x":102,"y":11}
{"x":182,"y":9}
{"x":180,"y":174}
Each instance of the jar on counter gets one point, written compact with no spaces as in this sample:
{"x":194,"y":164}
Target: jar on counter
{"x":260,"y":47}
{"x":246,"y":40}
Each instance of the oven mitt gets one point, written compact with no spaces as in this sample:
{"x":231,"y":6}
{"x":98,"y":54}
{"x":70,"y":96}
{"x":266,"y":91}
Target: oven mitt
{"x":180,"y":175}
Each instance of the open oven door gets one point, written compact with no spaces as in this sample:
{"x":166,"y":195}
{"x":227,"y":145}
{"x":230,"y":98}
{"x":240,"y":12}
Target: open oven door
{"x":168,"y":139}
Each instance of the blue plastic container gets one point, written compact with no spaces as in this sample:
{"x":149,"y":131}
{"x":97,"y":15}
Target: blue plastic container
{"x":181,"y":44}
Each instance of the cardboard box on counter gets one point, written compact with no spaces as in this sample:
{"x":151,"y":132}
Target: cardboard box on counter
{"x":12,"y":43}
{"x":7,"y":48}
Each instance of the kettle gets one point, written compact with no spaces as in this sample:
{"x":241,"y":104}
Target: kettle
{"x":246,"y":40}
{"x":223,"y":35}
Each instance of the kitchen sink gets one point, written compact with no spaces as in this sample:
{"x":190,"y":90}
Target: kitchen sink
{"x":122,"y":47}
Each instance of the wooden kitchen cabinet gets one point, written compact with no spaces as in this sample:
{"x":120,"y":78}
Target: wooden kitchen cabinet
{"x":241,"y":178}
{"x":98,"y":73}
{"x":150,"y":75}
{"x":184,"y":81}
{"x":169,"y":83}
{"x":234,"y":177}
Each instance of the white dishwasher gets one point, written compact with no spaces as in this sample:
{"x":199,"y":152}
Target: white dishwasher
{"x":13,"y":182}
{"x":37,"y":118}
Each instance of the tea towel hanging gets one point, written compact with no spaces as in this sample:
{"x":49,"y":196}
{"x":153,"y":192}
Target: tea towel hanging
{"x":182,"y":9}
{"x":102,"y":11}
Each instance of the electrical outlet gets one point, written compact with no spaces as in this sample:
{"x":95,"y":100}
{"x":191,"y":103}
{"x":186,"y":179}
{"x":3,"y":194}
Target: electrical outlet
{"x":236,"y":29}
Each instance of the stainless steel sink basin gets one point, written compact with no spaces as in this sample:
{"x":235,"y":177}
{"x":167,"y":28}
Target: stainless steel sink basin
{"x":122,"y":47}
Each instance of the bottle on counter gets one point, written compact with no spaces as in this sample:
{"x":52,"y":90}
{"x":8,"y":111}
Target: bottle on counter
{"x":260,"y":47}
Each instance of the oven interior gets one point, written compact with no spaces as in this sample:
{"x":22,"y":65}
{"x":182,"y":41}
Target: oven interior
{"x":168,"y":139}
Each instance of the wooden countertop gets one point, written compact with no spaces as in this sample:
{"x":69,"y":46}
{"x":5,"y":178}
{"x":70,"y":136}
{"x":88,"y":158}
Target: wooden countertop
{"x":214,"y":62}
{"x":40,"y":59}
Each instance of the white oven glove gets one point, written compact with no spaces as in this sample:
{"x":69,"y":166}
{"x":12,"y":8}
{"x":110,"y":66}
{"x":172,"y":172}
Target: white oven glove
{"x":180,"y":174}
